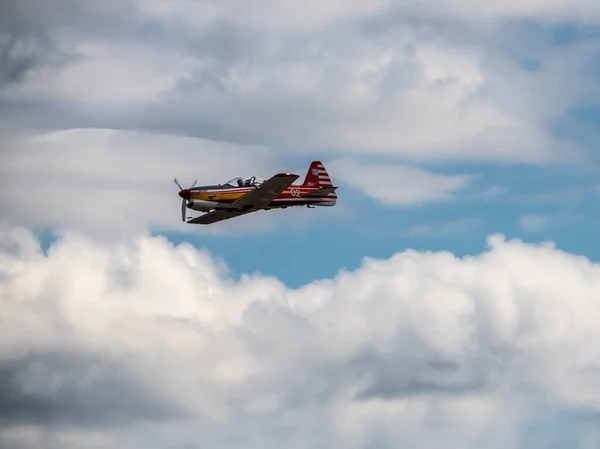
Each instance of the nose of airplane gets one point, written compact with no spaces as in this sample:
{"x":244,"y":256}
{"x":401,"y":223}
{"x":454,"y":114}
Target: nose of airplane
{"x":185,"y":194}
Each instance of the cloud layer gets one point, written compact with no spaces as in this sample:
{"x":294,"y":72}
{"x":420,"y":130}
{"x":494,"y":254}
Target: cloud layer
{"x":151,"y":345}
{"x":398,"y":185}
{"x":388,"y":81}
{"x":388,"y":78}
{"x":105,"y":181}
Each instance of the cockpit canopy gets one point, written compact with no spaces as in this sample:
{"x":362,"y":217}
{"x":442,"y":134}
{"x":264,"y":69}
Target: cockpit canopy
{"x":244,"y":181}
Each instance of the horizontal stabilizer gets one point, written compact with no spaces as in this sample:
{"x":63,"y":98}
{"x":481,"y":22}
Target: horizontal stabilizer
{"x":323,"y":191}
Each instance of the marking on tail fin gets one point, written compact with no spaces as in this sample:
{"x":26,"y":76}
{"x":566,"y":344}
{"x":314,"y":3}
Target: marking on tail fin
{"x":317,"y":176}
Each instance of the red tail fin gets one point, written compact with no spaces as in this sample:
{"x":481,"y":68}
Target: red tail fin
{"x":317,"y":176}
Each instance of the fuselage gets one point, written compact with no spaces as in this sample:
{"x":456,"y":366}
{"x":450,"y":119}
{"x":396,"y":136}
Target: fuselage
{"x":205,"y":198}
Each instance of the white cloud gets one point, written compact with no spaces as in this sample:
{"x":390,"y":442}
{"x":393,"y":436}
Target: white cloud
{"x":104,"y":75}
{"x":396,"y":184}
{"x":551,"y":10}
{"x":264,"y":13}
{"x":541,"y":222}
{"x":533,"y":222}
{"x":115,"y":183}
{"x":315,"y":79}
{"x":401,"y":95}
{"x":149,"y":345}
{"x":314,"y":13}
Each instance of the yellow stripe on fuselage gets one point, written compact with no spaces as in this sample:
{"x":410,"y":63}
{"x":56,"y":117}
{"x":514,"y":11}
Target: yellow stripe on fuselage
{"x":231,"y":196}
{"x":217,"y":196}
{"x":223,"y":195}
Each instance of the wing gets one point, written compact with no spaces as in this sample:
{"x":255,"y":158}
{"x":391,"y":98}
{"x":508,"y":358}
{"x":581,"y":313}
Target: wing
{"x":254,"y":200}
{"x":218,"y":215}
{"x":262,"y":195}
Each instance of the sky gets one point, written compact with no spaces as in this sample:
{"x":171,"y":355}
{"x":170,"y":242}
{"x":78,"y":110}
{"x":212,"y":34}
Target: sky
{"x":452,"y":296}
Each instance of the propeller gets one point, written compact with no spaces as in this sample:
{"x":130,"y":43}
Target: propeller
{"x":185,"y":196}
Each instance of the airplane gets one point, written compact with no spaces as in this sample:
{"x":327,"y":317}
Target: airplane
{"x":243,"y":195}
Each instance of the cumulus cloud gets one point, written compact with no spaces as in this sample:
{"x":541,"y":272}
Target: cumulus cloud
{"x":326,"y":77}
{"x":104,"y":76}
{"x":153,"y":345}
{"x":314,"y":12}
{"x":398,"y":185}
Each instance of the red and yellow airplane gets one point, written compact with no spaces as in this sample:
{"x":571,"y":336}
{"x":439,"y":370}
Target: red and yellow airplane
{"x":241,"y":196}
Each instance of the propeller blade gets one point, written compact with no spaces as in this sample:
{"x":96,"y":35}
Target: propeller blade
{"x":177,"y":183}
{"x":183,"y":210}
{"x":193,"y":185}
